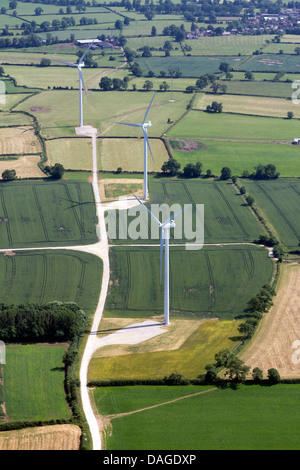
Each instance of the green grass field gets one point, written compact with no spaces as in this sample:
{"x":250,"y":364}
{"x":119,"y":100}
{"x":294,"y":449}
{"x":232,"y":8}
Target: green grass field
{"x":34,"y":382}
{"x":57,"y":111}
{"x":254,"y":87}
{"x":199,"y":124}
{"x":279,"y":202}
{"x":272,"y":63}
{"x":240,"y":156}
{"x":74,"y":154}
{"x":248,"y":418}
{"x":215,"y":281}
{"x":46,"y":214}
{"x":44,"y":276}
{"x":227,"y":45}
{"x":189,"y":66}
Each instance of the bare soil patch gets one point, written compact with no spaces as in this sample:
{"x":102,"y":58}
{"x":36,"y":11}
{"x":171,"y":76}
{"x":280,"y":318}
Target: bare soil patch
{"x":58,"y":437}
{"x":187,"y":145}
{"x":272,"y":344}
{"x":105,"y":184}
{"x":18,"y":141}
{"x":25,"y":166}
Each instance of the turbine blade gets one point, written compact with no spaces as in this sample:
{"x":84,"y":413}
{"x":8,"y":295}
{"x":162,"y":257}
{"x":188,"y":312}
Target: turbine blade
{"x":177,"y":213}
{"x":147,"y":141}
{"x":128,"y":124}
{"x":67,"y":63}
{"x":148,"y":108}
{"x":153,"y":216}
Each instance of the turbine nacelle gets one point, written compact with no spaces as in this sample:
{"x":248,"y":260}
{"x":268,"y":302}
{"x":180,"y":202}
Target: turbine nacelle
{"x":168,"y":225}
{"x":147,"y":124}
{"x":144,"y":125}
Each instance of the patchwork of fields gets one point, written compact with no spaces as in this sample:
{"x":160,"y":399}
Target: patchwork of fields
{"x":210,"y":286}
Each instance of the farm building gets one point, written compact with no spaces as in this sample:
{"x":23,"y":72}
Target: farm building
{"x":107,"y":44}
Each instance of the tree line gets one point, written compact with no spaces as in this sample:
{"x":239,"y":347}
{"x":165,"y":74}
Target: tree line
{"x":194,"y":170}
{"x":55,"y":321}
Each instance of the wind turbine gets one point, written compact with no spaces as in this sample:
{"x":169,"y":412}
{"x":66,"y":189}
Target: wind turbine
{"x":144,"y":127}
{"x":81,"y":82}
{"x":164,"y":242}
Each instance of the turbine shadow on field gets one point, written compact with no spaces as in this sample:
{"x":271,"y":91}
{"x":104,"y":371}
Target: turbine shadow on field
{"x":126,"y":328}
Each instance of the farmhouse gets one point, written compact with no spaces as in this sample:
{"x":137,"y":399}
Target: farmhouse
{"x":110,"y":42}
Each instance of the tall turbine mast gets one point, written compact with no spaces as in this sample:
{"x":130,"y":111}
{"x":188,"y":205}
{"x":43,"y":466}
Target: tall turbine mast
{"x":144,"y":127}
{"x":164,"y":242}
{"x":79,"y":65}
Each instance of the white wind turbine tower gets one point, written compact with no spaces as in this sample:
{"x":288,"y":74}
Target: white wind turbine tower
{"x":79,"y":65}
{"x":144,"y":127}
{"x":164,"y":241}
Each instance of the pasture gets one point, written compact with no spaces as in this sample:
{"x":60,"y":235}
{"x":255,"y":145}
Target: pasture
{"x":74,"y":154}
{"x":279,"y":202}
{"x":240,"y":156}
{"x":129,"y":154}
{"x":227,"y":45}
{"x":186,"y":347}
{"x":255,"y":87}
{"x":43,"y":276}
{"x":46,"y":214}
{"x":59,"y":76}
{"x":199,"y":124}
{"x":57,"y":111}
{"x":215,"y":281}
{"x":246,"y":418}
{"x":34,"y":382}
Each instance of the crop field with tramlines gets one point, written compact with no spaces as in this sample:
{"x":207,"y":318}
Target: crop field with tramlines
{"x":279,"y":201}
{"x":214,"y":281}
{"x":226,"y":216}
{"x":42,"y":276}
{"x":39,"y":214}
